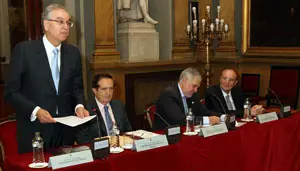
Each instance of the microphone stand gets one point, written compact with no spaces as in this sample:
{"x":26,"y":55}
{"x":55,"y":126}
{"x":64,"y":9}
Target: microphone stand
{"x":173,"y":132}
{"x":283,"y":112}
{"x":230,"y":118}
{"x":101,"y":153}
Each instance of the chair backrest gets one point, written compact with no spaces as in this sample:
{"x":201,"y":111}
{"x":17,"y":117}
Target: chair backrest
{"x":8,"y":139}
{"x":149,"y":114}
{"x":284,"y":81}
{"x":250,"y":84}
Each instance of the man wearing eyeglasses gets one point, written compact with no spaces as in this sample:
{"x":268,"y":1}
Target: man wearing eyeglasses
{"x":230,"y":95}
{"x":173,"y":103}
{"x":45,"y":81}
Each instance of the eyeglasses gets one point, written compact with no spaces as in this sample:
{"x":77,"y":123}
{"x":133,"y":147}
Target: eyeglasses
{"x":228,"y":79}
{"x":61,"y":22}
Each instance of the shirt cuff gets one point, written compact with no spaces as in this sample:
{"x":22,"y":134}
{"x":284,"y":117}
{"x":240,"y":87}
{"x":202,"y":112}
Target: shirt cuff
{"x":77,"y":106}
{"x":33,"y":115}
{"x":206,"y":120}
{"x":223,"y":117}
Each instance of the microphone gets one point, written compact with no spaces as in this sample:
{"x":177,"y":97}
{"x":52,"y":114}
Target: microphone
{"x":155,"y":113}
{"x":219,"y":102}
{"x":273,"y":92}
{"x":95,"y":111}
{"x":230,"y":118}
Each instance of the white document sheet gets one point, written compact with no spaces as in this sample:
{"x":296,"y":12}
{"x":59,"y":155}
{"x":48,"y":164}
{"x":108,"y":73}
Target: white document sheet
{"x":73,"y":120}
{"x":142,"y":134}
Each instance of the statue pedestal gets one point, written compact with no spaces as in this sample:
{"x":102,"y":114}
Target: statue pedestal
{"x":138,"y":41}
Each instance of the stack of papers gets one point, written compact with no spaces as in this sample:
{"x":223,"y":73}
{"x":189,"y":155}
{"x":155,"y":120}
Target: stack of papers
{"x":141,"y":133}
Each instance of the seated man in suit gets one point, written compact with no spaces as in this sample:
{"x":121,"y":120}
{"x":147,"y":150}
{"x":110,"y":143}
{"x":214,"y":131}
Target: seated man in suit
{"x":109,"y":112}
{"x":174,"y":101}
{"x":231,"y":96}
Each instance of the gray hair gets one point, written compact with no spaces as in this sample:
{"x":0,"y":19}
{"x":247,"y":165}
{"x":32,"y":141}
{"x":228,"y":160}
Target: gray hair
{"x":46,"y":13}
{"x":189,"y":73}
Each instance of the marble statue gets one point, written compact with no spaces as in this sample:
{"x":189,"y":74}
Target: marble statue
{"x":134,"y":10}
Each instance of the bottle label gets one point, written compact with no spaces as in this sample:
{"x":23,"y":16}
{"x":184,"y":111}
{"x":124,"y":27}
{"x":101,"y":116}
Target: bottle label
{"x":37,"y":145}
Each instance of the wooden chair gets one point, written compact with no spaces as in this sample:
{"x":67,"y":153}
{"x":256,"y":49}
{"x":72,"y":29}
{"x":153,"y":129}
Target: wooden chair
{"x":8,"y":139}
{"x":149,"y":114}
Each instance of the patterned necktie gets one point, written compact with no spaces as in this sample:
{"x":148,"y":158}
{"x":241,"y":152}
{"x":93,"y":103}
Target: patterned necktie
{"x":109,"y":123}
{"x":54,"y":69}
{"x":185,"y":105}
{"x":229,"y":104}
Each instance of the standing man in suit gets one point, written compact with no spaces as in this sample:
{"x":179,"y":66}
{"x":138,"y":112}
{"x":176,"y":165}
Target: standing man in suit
{"x":231,"y":96}
{"x":45,"y":81}
{"x":109,"y":112}
{"x":174,"y":101}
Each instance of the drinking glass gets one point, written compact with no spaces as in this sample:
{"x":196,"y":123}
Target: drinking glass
{"x":197,"y":123}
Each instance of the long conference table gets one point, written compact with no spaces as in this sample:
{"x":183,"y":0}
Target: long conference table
{"x":272,"y":146}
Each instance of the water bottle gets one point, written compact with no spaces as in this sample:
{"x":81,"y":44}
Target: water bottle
{"x":114,"y":137}
{"x":38,"y":149}
{"x":190,"y":121}
{"x":247,"y":110}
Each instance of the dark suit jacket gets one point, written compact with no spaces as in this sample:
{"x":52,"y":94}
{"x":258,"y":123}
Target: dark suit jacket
{"x":30,"y":84}
{"x":212,"y":103}
{"x":170,"y":106}
{"x":89,"y":131}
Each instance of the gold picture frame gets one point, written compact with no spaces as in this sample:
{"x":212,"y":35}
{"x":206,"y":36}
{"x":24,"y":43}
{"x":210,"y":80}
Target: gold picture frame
{"x":261,"y":51}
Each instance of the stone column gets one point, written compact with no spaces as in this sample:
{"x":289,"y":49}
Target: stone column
{"x":105,"y":45}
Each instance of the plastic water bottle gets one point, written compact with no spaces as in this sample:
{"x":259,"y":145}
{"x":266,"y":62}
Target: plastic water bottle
{"x":247,"y":109}
{"x":114,"y":137}
{"x":190,"y":121}
{"x":38,"y":149}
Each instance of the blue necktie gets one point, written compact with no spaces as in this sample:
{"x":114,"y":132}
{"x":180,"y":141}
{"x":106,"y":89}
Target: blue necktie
{"x":54,"y":69}
{"x":185,"y":105}
{"x":109,"y":123}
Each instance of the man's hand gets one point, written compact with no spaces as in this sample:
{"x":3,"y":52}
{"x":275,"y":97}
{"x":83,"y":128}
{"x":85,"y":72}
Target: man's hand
{"x":256,"y":110}
{"x":82,"y":112}
{"x":214,"y":120}
{"x":44,"y":116}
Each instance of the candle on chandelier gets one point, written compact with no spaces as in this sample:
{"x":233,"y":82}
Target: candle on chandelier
{"x":203,"y":25}
{"x":218,"y":10}
{"x":194,"y":12}
{"x":221,"y":24}
{"x":212,"y":27}
{"x":208,"y":10}
{"x":226,"y":28}
{"x":217,"y":24}
{"x":195,"y":26}
{"x":188,"y":29}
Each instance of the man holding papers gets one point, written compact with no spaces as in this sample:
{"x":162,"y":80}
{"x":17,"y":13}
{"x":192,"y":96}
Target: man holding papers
{"x":45,"y":81}
{"x":109,"y":112}
{"x":174,"y":101}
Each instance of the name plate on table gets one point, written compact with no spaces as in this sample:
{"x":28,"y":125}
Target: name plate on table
{"x":173,"y":134}
{"x":213,"y":130}
{"x":272,"y":116}
{"x":151,"y":143}
{"x":285,"y":111}
{"x":70,"y":159}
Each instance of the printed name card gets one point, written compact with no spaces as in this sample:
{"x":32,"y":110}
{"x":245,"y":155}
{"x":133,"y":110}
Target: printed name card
{"x":174,"y":130}
{"x":272,"y":116}
{"x":151,"y":143}
{"x":173,"y":134}
{"x":70,"y":159}
{"x":213,"y":130}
